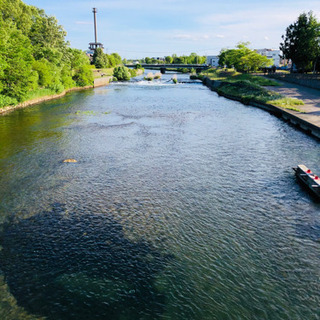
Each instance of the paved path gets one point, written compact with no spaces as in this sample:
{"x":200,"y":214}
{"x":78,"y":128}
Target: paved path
{"x":310,"y":97}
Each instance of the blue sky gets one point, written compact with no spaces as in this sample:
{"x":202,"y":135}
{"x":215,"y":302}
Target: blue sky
{"x":141,"y":28}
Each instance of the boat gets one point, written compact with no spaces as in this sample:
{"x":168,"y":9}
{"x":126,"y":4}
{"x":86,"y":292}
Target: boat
{"x":310,"y":180}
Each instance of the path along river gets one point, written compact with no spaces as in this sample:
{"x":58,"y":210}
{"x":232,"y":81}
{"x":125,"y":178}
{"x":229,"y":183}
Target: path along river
{"x":182,"y":205}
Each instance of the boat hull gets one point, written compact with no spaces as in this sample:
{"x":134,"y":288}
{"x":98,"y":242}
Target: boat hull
{"x":308,"y":179}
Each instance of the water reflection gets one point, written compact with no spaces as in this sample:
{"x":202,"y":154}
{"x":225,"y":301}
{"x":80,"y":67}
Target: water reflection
{"x":68,"y":265}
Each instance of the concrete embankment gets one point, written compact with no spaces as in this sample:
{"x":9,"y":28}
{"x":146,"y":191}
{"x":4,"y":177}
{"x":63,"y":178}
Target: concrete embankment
{"x":302,"y":121}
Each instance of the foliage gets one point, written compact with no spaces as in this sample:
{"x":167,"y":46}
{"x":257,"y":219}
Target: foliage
{"x":168,"y":60}
{"x":7,"y":101}
{"x":83,"y":76}
{"x":100,"y":59}
{"x":243,"y":59}
{"x":301,"y":42}
{"x":193,"y":58}
{"x":288,"y":103}
{"x":34,"y":56}
{"x":121,"y":73}
{"x":133,"y":72}
{"x":149,"y":76}
{"x":247,"y":92}
{"x":231,"y":75}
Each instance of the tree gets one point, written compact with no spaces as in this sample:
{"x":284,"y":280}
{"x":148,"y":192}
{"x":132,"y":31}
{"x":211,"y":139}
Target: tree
{"x":301,"y":42}
{"x":100,"y":59}
{"x":148,"y":60}
{"x":121,"y":73}
{"x":16,"y":60}
{"x":243,"y":59}
{"x":168,"y":59}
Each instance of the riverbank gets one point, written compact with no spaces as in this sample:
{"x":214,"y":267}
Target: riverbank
{"x":41,"y":99}
{"x":98,"y":82}
{"x":306,"y":121}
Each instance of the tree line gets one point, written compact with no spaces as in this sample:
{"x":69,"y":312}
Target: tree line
{"x":103,"y":60}
{"x":34,"y":55}
{"x":193,"y":58}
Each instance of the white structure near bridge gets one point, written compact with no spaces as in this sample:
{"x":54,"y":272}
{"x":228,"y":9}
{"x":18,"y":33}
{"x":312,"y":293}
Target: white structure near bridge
{"x":213,"y":61}
{"x":273,"y":54}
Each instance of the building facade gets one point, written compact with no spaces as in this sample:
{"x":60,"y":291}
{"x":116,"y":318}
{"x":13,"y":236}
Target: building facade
{"x":271,"y":54}
{"x":213,"y":61}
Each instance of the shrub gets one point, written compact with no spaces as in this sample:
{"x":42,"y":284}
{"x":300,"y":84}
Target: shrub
{"x":149,"y":76}
{"x":121,"y":73}
{"x":7,"y":101}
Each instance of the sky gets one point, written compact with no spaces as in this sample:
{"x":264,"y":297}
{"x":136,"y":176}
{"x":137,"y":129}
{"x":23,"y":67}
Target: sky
{"x":139,"y":28}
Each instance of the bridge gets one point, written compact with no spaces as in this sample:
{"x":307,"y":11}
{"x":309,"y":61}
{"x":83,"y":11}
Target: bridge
{"x":164,"y":67}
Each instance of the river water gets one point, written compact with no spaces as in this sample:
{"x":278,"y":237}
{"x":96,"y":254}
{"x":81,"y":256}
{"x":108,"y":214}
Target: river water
{"x":181,"y":205}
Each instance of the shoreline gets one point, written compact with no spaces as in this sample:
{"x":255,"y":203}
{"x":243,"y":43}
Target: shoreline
{"x":99,"y":82}
{"x":293,"y":117}
{"x":28,"y":103}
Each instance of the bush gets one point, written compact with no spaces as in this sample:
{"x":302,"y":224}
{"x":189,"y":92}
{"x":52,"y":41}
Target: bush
{"x":57,"y":87}
{"x":7,"y":101}
{"x":149,"y":76}
{"x":122,"y":73}
{"x":133,"y":72}
{"x":84,"y":76}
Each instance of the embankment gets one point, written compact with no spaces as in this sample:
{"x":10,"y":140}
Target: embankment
{"x":293,"y":117}
{"x":103,"y":81}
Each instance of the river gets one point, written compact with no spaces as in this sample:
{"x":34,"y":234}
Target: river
{"x":181,"y":205}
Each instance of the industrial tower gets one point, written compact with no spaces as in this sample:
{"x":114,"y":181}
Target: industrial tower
{"x":94,"y":45}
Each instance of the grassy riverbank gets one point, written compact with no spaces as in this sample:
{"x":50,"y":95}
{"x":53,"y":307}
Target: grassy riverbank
{"x":101,"y":77}
{"x":249,"y":88}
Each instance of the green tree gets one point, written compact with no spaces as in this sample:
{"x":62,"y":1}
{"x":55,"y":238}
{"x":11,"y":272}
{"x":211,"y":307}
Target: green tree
{"x":301,"y":43}
{"x":168,"y":59}
{"x":117,"y":58}
{"x":148,"y":60}
{"x":16,"y":76}
{"x":243,"y":59}
{"x":44,"y":70}
{"x":121,"y":73}
{"x":100,"y":59}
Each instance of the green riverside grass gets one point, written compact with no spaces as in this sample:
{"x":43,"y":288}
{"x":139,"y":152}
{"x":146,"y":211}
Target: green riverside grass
{"x":248,"y":88}
{"x":40,"y":93}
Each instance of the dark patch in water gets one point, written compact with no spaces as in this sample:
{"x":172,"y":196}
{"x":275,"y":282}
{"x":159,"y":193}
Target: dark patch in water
{"x":66,"y":265}
{"x":308,"y":231}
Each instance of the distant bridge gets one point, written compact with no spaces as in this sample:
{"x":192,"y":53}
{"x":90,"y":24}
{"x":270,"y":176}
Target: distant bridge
{"x":164,"y":67}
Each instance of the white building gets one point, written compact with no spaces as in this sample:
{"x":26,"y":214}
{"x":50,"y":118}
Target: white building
{"x":271,"y":54}
{"x":213,"y":61}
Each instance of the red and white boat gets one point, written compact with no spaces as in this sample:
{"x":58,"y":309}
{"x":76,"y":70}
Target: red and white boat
{"x":308,"y":178}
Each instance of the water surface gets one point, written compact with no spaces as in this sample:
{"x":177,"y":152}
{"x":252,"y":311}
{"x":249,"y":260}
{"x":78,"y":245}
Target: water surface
{"x":182,"y":205}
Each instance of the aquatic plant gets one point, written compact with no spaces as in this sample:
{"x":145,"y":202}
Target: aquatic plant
{"x":67,"y":265}
{"x":175,"y":79}
{"x":149,"y":76}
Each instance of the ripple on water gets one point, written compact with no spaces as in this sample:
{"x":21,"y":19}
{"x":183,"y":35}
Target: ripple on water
{"x":64,"y":265}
